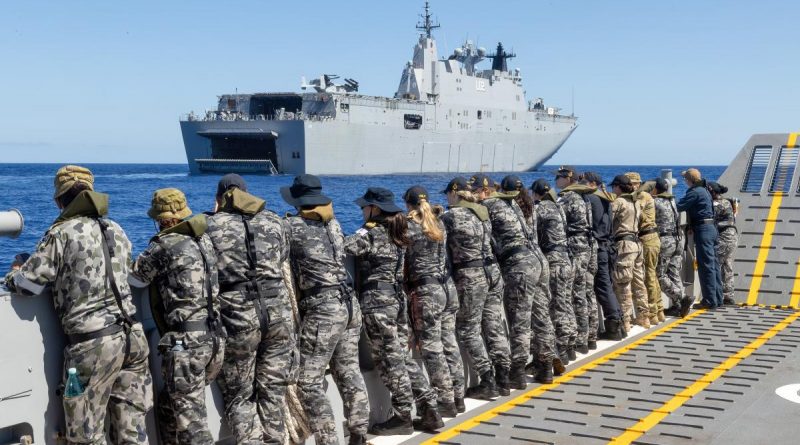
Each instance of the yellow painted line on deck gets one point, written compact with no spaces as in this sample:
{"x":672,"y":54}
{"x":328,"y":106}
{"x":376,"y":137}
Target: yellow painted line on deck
{"x":539,"y":390}
{"x":794,"y":301}
{"x":657,"y":415}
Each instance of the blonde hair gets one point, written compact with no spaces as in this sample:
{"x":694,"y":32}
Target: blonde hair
{"x":467,"y":195}
{"x":424,"y":215}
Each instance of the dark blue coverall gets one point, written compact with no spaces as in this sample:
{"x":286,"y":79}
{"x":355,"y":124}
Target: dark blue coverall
{"x":699,"y":207}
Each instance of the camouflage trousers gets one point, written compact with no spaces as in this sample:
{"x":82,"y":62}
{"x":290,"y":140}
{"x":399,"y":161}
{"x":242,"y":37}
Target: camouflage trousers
{"x":428,"y":304}
{"x":670,"y":261}
{"x":543,"y":335}
{"x":259,"y":365}
{"x":591,"y":298}
{"x":472,"y":289}
{"x":520,"y":274}
{"x":726,"y":248}
{"x":387,"y":330}
{"x":581,"y":253}
{"x":651,"y":246}
{"x":493,"y":323}
{"x":452,"y":352}
{"x":116,"y":384}
{"x":182,"y":415}
{"x":329,"y":335}
{"x":629,"y":285}
{"x":561,"y":309}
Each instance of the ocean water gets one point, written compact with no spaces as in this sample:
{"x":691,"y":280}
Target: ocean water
{"x":29,"y":188}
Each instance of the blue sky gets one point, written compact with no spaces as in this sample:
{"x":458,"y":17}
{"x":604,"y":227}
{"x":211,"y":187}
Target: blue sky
{"x":672,"y":82}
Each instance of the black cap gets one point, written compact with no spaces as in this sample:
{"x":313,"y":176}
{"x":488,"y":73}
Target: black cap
{"x":381,"y":197}
{"x":479,"y":180}
{"x":415,"y":195}
{"x":511,"y":183}
{"x":229,"y":181}
{"x":661,"y":185}
{"x":306,"y":190}
{"x":540,"y":186}
{"x":621,"y":180}
{"x":458,"y":184}
{"x":592,"y":177}
{"x":567,"y":171}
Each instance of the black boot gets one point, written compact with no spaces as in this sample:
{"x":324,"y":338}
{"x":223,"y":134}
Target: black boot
{"x":501,"y":381}
{"x":516,"y":377}
{"x":460,"y":406}
{"x":396,"y":425}
{"x":357,"y":439}
{"x":613,"y":330}
{"x":686,"y":306}
{"x":728,"y":301}
{"x":448,"y":409}
{"x":544,"y":373}
{"x":592,"y":345}
{"x":571,"y":353}
{"x":563,"y":354}
{"x":673,"y":311}
{"x":583,"y":349}
{"x":429,"y":419}
{"x":485,"y":390}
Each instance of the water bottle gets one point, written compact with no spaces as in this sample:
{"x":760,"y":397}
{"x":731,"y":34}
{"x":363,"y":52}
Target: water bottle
{"x":178,"y":346}
{"x":74,"y":387}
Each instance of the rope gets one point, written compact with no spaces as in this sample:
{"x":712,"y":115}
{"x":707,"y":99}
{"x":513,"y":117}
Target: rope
{"x":296,"y":420}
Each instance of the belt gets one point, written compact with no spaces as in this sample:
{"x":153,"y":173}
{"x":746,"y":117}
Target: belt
{"x":513,"y":251}
{"x":314,"y":290}
{"x":626,"y":237}
{"x":104,"y":332}
{"x":724,"y":228}
{"x":703,"y":221}
{"x":556,"y":249}
{"x":473,"y":263}
{"x":663,"y":234}
{"x":379,"y":285}
{"x":425,"y":281}
{"x":647,"y":231}
{"x":577,"y":233}
{"x":269,"y":286}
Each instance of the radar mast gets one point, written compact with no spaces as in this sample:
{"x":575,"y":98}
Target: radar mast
{"x":427,"y":25}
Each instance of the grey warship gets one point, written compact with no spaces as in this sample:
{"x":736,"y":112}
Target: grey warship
{"x":447,"y":115}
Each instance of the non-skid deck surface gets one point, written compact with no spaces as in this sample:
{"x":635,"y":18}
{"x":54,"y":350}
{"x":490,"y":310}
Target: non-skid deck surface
{"x":709,"y":378}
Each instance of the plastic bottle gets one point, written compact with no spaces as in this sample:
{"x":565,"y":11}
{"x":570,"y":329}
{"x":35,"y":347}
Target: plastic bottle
{"x":178,"y":346}
{"x":74,"y":387}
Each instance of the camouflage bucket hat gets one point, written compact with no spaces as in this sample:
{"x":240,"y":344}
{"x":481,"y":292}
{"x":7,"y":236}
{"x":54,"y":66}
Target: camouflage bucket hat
{"x":169,"y":203}
{"x":69,"y":175}
{"x":634,"y":177}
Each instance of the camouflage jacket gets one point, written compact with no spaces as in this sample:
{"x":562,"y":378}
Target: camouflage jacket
{"x":509,"y":229}
{"x":378,"y":258}
{"x":316,"y":249}
{"x":647,"y":211}
{"x":552,"y":231}
{"x":70,"y":259}
{"x":242,"y":214}
{"x":624,"y":216}
{"x":468,"y":233}
{"x":577,"y":211}
{"x":723,"y":214}
{"x":666,"y":215}
{"x":424,"y":258}
{"x":180,"y":262}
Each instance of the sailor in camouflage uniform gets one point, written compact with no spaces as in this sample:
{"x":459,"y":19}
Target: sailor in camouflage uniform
{"x":578,"y":215}
{"x":180,"y":264}
{"x":552,"y":235}
{"x":260,"y":355}
{"x":331,"y":317}
{"x":628,"y":270}
{"x":725,"y":220}
{"x":670,"y":259}
{"x":520,"y":271}
{"x":84,"y":258}
{"x":651,"y":245}
{"x":426,"y":278}
{"x":468,"y":245}
{"x":379,"y":248}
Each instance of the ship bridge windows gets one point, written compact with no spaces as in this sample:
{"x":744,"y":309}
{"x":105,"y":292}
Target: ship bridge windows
{"x":757,"y":169}
{"x":412,"y":121}
{"x":784,"y":171}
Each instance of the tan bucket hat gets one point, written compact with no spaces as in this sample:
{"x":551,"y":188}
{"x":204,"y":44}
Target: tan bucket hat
{"x":634,"y":177}
{"x":169,"y":203}
{"x":69,"y":175}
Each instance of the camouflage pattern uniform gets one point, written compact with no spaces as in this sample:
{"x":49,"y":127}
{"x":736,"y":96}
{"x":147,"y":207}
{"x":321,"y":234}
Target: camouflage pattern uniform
{"x":553,"y":242}
{"x":651,"y":246}
{"x":578,"y":224}
{"x":330,"y":326}
{"x":260,"y":357}
{"x":180,"y":263}
{"x":629,"y":271}
{"x":112,"y":368}
{"x":670,"y":259}
{"x":521,"y":271}
{"x":726,"y":244}
{"x":591,"y":297}
{"x":452,"y":351}
{"x":468,"y":246}
{"x":426,"y":279}
{"x":379,"y":264}
{"x":543,"y":335}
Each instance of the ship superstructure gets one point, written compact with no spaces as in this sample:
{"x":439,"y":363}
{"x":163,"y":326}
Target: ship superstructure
{"x":447,"y":115}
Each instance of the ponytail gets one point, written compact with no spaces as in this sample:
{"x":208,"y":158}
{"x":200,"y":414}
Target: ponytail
{"x":525,"y":201}
{"x":466,"y":195}
{"x":397,"y":227}
{"x":424,"y":216}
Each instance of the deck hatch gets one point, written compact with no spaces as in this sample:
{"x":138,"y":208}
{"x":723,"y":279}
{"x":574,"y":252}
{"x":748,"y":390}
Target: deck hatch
{"x":784,"y":171}
{"x":757,"y":168}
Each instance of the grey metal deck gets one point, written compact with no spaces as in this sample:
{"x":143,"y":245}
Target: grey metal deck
{"x":709,"y":378}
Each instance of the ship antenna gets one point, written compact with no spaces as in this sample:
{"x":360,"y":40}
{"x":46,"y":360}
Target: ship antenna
{"x":427,"y":25}
{"x":573,"y":101}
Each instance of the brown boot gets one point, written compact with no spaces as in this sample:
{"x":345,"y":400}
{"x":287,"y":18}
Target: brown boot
{"x":643,"y":322}
{"x":653,"y":320}
{"x":661,"y":316}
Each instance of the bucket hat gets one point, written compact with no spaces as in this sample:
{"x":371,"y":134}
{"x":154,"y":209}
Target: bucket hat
{"x":380,"y":197}
{"x":306,"y":190}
